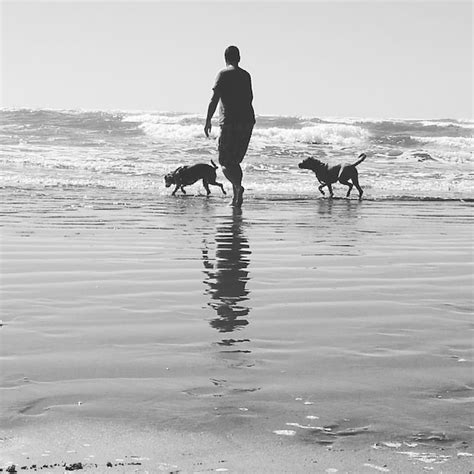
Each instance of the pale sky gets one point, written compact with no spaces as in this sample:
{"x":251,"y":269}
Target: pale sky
{"x":375,"y":59}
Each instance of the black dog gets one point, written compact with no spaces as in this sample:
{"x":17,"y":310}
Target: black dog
{"x":187,"y":175}
{"x":327,"y":175}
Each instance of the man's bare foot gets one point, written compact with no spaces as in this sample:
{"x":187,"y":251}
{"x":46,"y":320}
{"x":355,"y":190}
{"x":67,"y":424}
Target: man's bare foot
{"x":240,"y":197}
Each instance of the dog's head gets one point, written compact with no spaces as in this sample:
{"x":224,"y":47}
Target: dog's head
{"x":169,"y":179}
{"x":310,"y":164}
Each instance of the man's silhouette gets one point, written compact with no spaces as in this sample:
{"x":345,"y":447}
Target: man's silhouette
{"x":233,"y":88}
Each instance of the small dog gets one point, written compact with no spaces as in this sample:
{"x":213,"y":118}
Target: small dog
{"x":327,"y":175}
{"x":187,"y":175}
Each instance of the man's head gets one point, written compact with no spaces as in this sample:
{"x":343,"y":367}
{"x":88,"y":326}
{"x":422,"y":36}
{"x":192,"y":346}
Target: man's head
{"x":232,"y":55}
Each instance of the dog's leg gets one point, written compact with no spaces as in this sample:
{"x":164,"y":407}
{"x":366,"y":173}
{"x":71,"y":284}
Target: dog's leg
{"x":182,"y":189}
{"x":206,"y":186}
{"x":175,"y":189}
{"x":321,"y":188}
{"x":215,"y":183}
{"x":355,"y":180}
{"x":347,"y":184}
{"x":329,"y":185}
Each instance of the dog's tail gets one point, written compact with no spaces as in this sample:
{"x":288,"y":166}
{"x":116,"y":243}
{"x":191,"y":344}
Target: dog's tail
{"x":214,"y":165}
{"x":361,"y":157}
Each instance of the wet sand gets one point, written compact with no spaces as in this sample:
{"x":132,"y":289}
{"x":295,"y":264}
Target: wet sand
{"x":179,"y":335}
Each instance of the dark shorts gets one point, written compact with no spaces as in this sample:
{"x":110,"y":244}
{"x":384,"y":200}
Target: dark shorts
{"x":233,"y":143}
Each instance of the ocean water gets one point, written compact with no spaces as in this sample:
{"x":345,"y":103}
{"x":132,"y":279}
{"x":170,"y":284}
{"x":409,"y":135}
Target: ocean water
{"x":130,"y":152}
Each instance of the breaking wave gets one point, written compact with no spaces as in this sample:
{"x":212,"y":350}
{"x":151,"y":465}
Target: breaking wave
{"x":421,"y":159}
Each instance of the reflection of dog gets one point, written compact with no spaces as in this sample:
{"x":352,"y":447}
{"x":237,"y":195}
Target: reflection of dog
{"x":187,"y":175}
{"x":327,"y":175}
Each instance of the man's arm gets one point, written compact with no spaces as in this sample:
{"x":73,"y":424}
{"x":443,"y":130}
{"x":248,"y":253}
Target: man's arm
{"x":251,"y":89}
{"x":210,"y":112}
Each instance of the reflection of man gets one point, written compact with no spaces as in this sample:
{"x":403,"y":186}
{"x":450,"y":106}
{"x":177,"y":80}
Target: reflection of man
{"x":233,"y":88}
{"x":228,"y":276}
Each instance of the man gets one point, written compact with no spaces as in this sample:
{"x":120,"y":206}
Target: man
{"x":233,"y":88}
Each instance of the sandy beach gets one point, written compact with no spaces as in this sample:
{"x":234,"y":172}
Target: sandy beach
{"x":144,"y":334}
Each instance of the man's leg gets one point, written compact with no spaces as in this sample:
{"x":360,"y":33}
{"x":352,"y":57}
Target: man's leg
{"x":233,"y":172}
{"x":233,"y":144}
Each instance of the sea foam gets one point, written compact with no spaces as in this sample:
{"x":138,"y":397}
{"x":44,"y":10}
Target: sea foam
{"x":420,"y":159}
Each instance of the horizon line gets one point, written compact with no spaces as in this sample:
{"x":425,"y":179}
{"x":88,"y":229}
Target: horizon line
{"x":299,"y":116}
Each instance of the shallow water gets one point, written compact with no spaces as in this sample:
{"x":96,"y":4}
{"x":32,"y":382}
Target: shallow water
{"x":319,"y":322}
